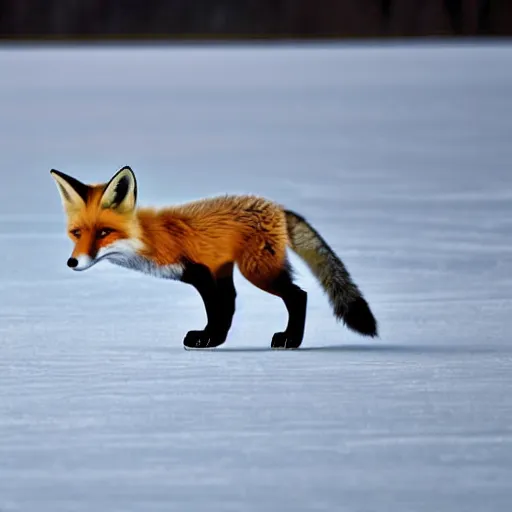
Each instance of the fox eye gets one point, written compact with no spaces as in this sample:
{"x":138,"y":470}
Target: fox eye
{"x":76,"y":233}
{"x":102,"y":233}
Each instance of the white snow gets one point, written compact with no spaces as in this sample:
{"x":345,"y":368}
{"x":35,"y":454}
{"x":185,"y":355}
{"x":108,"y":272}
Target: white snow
{"x":400,"y":156}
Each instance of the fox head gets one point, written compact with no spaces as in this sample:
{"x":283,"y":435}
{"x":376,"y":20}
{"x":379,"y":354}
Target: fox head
{"x":100,"y":218}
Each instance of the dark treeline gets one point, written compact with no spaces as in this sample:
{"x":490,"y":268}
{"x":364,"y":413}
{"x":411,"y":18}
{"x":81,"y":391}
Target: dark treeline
{"x":253,"y":18}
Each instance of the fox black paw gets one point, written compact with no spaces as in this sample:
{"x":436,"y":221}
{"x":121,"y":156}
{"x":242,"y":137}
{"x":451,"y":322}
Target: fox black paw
{"x":283,"y":340}
{"x":202,"y":339}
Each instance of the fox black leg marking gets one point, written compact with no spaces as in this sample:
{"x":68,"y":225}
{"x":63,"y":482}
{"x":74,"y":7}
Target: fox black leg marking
{"x":295,"y":300}
{"x":219,"y":301}
{"x":202,"y":280}
{"x":226,"y":296}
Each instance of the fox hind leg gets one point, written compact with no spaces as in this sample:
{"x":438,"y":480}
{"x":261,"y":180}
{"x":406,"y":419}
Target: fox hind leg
{"x":295,"y":301}
{"x":280,"y":283}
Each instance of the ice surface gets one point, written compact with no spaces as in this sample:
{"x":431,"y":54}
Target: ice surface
{"x":399,"y":156}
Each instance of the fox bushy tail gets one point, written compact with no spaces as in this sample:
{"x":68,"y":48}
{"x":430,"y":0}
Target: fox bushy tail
{"x":345,"y":298}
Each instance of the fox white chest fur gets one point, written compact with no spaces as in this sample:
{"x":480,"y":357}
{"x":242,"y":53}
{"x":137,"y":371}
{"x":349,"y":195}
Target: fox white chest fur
{"x":125,"y":253}
{"x":141,"y":264}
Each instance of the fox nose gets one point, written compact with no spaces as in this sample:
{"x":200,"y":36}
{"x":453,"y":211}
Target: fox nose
{"x":72,"y":262}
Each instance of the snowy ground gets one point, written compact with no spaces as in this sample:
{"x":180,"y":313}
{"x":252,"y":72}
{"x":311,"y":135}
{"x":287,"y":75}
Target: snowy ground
{"x":401,"y":158}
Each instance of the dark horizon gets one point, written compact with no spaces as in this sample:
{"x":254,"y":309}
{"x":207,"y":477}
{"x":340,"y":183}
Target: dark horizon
{"x":252,"y":19}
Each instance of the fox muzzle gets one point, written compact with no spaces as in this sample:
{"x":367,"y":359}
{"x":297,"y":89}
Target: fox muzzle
{"x":81,"y":262}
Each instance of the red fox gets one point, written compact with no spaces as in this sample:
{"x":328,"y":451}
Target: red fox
{"x":199,"y":243}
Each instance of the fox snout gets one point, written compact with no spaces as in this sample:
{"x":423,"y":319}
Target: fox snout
{"x":81,"y":262}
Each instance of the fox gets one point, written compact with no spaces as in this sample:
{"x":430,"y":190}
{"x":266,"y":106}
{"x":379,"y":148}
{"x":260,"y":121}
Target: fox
{"x":200,"y":242}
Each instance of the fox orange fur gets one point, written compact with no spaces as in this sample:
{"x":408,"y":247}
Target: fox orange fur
{"x":200,"y":242}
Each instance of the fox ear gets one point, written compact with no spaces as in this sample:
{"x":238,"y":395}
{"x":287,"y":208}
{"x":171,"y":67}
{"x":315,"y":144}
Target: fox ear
{"x":121,"y":191}
{"x":72,"y":192}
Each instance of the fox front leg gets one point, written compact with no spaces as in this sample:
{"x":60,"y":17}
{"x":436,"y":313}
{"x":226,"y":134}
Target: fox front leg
{"x":219,"y":307}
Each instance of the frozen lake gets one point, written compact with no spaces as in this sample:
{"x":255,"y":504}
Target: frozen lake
{"x":400,"y":156}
